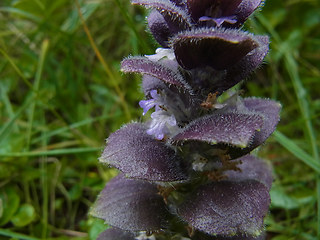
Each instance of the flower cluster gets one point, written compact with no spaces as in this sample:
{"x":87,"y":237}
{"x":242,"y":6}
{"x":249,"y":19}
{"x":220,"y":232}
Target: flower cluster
{"x":187,"y":173}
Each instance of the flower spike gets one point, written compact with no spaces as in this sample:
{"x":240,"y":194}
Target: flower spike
{"x":187,"y":172}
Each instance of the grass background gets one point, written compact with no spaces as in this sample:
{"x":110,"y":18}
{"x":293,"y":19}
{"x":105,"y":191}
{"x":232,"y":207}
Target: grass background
{"x":61,"y":95}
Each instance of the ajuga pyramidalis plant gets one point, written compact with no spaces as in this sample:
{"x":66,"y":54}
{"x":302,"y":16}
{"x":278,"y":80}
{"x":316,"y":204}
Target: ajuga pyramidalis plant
{"x":187,"y":173}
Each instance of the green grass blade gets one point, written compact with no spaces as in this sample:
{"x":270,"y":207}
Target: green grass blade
{"x":8,"y":125}
{"x":15,"y":67}
{"x":74,"y":126}
{"x":21,"y":13}
{"x":300,"y":91}
{"x":297,"y":151}
{"x":7,"y":104}
{"x":304,"y":106}
{"x":54,"y":152}
{"x":106,"y":67}
{"x":44,"y":49}
{"x":8,"y":233}
{"x":132,"y":26}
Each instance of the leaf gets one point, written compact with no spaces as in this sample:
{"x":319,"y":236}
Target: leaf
{"x":167,"y":8}
{"x":230,"y":128}
{"x":14,"y":235}
{"x":294,"y":149}
{"x":246,"y":8}
{"x":282,"y":200}
{"x":10,"y":203}
{"x":227,"y":208}
{"x":152,"y":83}
{"x":73,"y":21}
{"x":159,"y":28}
{"x":115,"y":234}
{"x":161,"y":71}
{"x":24,"y":216}
{"x":21,"y":13}
{"x":251,"y":168}
{"x":139,"y":155}
{"x":201,"y":236}
{"x":96,"y":226}
{"x":245,"y":66}
{"x":132,"y":205}
{"x":75,"y":192}
{"x":30,"y":6}
{"x":53,"y":152}
{"x":270,"y":111}
{"x":219,"y":49}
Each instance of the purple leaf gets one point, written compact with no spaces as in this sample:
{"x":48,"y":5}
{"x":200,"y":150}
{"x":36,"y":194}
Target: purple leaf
{"x":230,"y":128}
{"x":115,"y":234}
{"x":246,"y":8}
{"x":219,"y":81}
{"x":168,"y":8}
{"x":159,"y":28}
{"x":270,"y":111}
{"x":219,"y":49}
{"x":201,"y":236}
{"x":180,"y":3}
{"x":132,"y":205}
{"x":227,"y":208}
{"x":150,"y":83}
{"x":251,"y":168}
{"x":245,"y":66}
{"x":155,"y":69}
{"x":139,"y":155}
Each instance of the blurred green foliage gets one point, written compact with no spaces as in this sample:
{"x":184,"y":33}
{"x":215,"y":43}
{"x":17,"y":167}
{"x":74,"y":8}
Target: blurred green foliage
{"x":59,"y":101}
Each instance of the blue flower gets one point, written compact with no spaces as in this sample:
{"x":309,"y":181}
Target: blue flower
{"x":219,"y":21}
{"x":146,"y":105}
{"x":162,"y":124}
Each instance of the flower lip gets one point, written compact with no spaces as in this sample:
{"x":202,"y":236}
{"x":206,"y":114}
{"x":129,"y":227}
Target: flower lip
{"x":222,"y":11}
{"x":219,"y":21}
{"x":162,"y":53}
{"x":212,"y":8}
{"x":162,"y":124}
{"x":148,"y":104}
